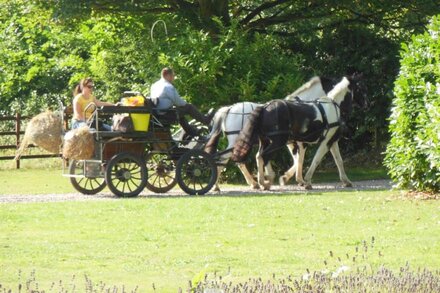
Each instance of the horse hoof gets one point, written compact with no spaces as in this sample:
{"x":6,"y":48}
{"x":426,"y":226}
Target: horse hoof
{"x":308,"y":187}
{"x":217,"y":189}
{"x":347,"y":184}
{"x":301,"y":183}
{"x":255,"y":186}
{"x":271,"y":179}
{"x":266,"y":185}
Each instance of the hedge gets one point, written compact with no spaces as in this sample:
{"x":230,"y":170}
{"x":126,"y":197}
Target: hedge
{"x":413,"y":154}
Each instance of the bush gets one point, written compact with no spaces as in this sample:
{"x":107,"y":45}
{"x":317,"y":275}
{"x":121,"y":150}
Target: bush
{"x":413,"y":154}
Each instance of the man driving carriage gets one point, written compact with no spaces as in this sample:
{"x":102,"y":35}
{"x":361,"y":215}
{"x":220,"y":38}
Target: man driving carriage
{"x":165,"y":96}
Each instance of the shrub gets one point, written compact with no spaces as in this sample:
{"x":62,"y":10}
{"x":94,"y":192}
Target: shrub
{"x":413,"y":154}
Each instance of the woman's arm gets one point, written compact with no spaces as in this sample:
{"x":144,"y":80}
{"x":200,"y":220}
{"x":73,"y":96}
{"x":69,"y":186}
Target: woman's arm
{"x":101,"y":103}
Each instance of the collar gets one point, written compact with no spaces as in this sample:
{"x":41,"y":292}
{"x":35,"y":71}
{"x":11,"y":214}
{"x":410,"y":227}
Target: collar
{"x":163,"y":80}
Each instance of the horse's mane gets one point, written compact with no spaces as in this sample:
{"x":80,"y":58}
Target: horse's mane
{"x":339,"y":89}
{"x":304,"y":87}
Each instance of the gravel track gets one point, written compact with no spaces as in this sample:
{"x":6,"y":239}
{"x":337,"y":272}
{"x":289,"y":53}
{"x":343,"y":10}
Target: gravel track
{"x":239,"y":190}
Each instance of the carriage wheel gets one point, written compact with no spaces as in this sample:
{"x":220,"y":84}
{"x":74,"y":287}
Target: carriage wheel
{"x":196,"y":172}
{"x":126,"y":175}
{"x":161,"y":172}
{"x":85,"y":185}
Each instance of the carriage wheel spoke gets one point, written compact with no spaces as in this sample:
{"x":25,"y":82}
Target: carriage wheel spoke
{"x":128,"y":186}
{"x":156,"y":177}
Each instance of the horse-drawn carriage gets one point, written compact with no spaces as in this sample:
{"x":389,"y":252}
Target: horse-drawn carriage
{"x":150,"y":156}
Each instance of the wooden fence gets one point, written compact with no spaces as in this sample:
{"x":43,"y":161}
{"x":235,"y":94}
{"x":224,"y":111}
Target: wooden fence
{"x":18,"y":133}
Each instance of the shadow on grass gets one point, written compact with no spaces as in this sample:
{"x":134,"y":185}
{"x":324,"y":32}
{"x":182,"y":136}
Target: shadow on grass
{"x":320,"y":190}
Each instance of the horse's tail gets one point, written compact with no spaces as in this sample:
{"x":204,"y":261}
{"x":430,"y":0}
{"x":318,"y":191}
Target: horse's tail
{"x":247,"y":136}
{"x":214,"y":135}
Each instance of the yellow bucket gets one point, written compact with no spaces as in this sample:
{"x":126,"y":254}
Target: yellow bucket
{"x":140,"y":121}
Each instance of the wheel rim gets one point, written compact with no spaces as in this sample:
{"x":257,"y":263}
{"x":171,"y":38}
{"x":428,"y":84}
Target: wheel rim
{"x":197,"y":172}
{"x":126,"y":175}
{"x":161,"y":172}
{"x":85,"y":185}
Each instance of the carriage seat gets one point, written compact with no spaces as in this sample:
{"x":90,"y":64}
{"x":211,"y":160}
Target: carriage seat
{"x":166,"y":117}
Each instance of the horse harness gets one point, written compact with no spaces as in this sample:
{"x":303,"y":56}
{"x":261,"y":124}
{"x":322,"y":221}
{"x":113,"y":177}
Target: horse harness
{"x":326,"y":126}
{"x":243,"y":119}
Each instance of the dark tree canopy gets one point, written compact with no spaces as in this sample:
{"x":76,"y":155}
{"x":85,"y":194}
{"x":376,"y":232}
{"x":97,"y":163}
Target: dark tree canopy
{"x":285,"y":17}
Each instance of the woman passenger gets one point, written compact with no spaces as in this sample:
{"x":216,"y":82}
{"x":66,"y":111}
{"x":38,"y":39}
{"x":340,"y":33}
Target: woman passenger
{"x":83,"y":96}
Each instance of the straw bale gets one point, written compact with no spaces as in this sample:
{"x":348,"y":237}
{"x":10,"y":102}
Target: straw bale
{"x":44,"y":130}
{"x":79,"y":144}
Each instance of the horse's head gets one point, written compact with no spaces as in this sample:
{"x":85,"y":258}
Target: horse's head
{"x":354,"y":96}
{"x":358,"y":90}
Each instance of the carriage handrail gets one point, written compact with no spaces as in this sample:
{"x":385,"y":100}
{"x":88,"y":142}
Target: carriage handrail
{"x":123,"y":109}
{"x":94,"y":115}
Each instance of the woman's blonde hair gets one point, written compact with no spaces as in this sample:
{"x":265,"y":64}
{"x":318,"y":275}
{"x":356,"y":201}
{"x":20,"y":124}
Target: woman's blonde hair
{"x":80,"y":86}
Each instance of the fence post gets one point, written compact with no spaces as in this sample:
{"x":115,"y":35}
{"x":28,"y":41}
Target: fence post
{"x":17,"y":136}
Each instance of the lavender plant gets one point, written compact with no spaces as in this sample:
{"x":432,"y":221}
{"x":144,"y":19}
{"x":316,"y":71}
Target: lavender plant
{"x":341,"y":274}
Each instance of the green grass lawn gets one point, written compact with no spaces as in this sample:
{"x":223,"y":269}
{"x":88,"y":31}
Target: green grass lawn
{"x":168,"y":241}
{"x":34,"y":181}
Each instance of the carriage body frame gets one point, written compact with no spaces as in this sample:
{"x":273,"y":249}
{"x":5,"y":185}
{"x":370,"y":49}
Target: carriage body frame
{"x":157,"y":151}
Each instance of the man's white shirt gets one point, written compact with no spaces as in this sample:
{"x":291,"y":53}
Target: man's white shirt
{"x":166,"y":95}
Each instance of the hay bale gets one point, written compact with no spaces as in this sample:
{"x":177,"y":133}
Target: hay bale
{"x":79,"y":144}
{"x":44,"y":130}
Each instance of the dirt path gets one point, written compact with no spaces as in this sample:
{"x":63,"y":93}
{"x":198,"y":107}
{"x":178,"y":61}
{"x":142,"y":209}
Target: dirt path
{"x":240,"y":190}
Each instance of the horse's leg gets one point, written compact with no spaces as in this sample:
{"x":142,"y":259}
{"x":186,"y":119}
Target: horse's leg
{"x":265,"y":185}
{"x":289,"y":173}
{"x":334,"y":149}
{"x":220,"y":167}
{"x":269,"y":172}
{"x":300,"y":164}
{"x":267,"y":147}
{"x":244,"y":170}
{"x":322,"y":150}
{"x":248,"y":176}
{"x":222,"y":161}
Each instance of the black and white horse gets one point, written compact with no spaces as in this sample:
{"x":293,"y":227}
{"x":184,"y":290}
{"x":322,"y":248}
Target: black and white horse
{"x":230,"y":120}
{"x":311,"y":91}
{"x":282,"y":122}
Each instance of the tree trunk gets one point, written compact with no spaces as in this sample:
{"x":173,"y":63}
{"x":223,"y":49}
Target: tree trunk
{"x":214,"y":8}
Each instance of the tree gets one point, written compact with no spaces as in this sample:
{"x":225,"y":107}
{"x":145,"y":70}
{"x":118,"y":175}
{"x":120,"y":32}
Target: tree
{"x":285,"y":17}
{"x":333,"y":37}
{"x":223,"y":49}
{"x":45,"y":57}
